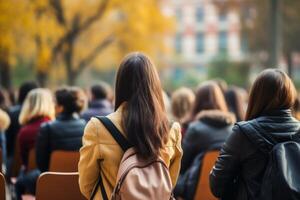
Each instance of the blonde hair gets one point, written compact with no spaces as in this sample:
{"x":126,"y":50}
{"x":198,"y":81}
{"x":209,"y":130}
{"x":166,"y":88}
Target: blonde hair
{"x":38,"y":103}
{"x":4,"y":120}
{"x":182,"y":102}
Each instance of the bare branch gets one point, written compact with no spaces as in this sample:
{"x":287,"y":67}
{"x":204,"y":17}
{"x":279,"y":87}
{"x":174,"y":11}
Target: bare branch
{"x":75,"y":32}
{"x":58,"y":10}
{"x":86,"y":61}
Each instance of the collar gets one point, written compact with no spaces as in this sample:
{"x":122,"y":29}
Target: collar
{"x":279,"y":112}
{"x":65,"y":116}
{"x":99,"y":103}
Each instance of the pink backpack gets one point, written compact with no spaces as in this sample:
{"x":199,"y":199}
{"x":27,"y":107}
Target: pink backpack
{"x":137,"y":179}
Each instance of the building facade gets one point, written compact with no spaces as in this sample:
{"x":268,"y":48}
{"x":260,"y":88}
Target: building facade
{"x":203,"y":31}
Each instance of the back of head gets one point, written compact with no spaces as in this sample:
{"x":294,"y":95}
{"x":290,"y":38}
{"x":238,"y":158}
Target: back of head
{"x":72,"y":99}
{"x":209,"y":96}
{"x":235,"y":102}
{"x":25,"y":88}
{"x":272,"y":90}
{"x":182,"y":102}
{"x":100,"y":91}
{"x":144,"y":118}
{"x":38,"y":103}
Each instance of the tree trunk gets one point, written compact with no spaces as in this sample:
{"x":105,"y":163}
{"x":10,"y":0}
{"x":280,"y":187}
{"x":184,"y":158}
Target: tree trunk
{"x":5,"y":70}
{"x":42,"y":78}
{"x":71,"y":79}
{"x":275,"y":33}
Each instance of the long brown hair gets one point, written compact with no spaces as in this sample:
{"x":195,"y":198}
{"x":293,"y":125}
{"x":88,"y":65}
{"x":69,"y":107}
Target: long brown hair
{"x":144,"y":121}
{"x":209,"y":96}
{"x":272,"y":90}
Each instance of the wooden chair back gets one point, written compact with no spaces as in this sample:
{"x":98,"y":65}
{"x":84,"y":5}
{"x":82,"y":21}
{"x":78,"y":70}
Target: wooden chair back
{"x":2,"y":187}
{"x":203,"y":189}
{"x":64,"y":161}
{"x":58,"y":186}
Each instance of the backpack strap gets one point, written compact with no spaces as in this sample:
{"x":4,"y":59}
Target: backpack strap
{"x":115,"y":133}
{"x":257,"y":135}
{"x":121,"y":140}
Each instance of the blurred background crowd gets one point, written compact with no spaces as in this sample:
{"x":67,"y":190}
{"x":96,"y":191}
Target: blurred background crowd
{"x":207,"y":53}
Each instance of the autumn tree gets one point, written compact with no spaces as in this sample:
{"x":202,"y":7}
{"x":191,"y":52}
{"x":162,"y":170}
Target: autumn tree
{"x":88,"y":29}
{"x":258,"y":30}
{"x":9,"y":24}
{"x":76,"y":34}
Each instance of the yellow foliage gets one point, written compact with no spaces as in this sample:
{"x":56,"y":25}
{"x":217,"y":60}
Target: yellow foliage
{"x":32,"y":29}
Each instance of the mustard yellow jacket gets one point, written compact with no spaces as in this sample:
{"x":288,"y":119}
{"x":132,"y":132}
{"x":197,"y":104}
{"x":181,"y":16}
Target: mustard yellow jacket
{"x":100,"y":153}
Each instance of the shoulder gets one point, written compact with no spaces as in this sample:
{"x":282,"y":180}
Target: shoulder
{"x":195,"y":129}
{"x":238,"y":139}
{"x":174,"y":134}
{"x":95,"y":130}
{"x":25,"y":129}
{"x":15,"y":109}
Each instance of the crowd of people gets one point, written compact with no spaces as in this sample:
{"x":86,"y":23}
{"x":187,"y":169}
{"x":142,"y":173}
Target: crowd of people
{"x":180,"y":127}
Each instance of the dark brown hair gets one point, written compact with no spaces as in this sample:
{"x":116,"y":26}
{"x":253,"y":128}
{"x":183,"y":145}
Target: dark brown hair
{"x":72,"y":99}
{"x":272,"y":90}
{"x":235,"y":102}
{"x":144,"y":118}
{"x":209,"y":96}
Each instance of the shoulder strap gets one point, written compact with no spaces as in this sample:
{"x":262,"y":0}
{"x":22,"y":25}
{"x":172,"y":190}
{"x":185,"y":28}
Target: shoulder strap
{"x":103,"y":192}
{"x":115,"y":133}
{"x":121,"y":140}
{"x":257,"y":136}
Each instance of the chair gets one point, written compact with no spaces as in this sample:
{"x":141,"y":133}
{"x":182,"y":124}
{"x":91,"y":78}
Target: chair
{"x":64,"y":161}
{"x":58,"y":186}
{"x":2,"y":187}
{"x":203,"y":190}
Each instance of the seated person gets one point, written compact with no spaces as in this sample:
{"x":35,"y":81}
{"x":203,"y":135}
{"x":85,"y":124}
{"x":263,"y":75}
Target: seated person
{"x":99,"y":104}
{"x":211,"y":124}
{"x":37,"y":109}
{"x":66,"y":131}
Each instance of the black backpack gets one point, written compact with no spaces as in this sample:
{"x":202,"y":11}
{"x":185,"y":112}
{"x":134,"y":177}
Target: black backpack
{"x":281,"y":179}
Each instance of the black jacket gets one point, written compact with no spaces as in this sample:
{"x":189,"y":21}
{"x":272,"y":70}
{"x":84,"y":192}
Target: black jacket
{"x":64,"y":133}
{"x":239,"y":170}
{"x":13,"y":129}
{"x":209,"y":132}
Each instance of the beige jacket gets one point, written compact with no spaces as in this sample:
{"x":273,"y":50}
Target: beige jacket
{"x":100,"y":152}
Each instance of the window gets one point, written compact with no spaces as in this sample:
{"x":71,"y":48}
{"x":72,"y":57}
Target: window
{"x":199,"y":14}
{"x":200,"y":42}
{"x":222,"y":41}
{"x":178,"y":43}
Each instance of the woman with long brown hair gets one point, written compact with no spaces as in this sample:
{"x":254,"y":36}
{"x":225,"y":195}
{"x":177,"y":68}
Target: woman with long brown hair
{"x":239,"y":170}
{"x":140,"y":116}
{"x":211,"y":124}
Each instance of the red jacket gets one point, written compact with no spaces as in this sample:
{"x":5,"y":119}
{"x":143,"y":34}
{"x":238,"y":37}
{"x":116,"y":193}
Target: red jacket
{"x":27,"y":137}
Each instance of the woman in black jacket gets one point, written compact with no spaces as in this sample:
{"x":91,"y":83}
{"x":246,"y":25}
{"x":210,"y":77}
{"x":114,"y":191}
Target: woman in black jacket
{"x":239,"y":170}
{"x":65,"y":132}
{"x":210,"y":125}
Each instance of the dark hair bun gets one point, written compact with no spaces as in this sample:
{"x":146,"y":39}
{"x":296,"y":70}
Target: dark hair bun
{"x":72,"y":99}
